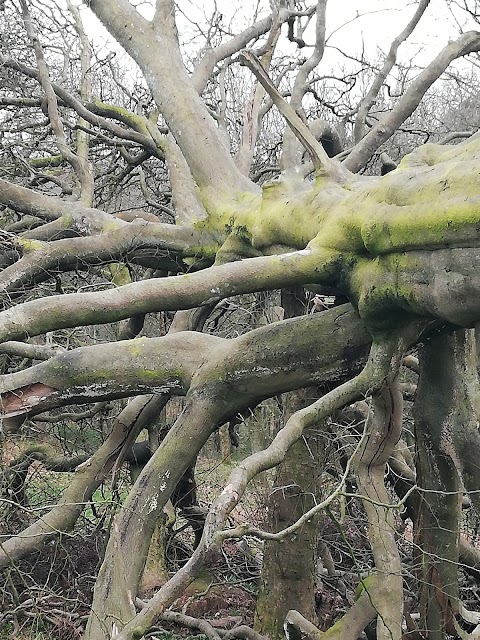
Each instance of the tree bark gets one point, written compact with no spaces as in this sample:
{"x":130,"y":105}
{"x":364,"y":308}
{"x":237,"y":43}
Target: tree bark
{"x":445,"y":414}
{"x":382,"y":431}
{"x":288,"y":571}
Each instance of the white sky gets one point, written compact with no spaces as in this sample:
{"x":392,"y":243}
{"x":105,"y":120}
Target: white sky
{"x":380,"y":21}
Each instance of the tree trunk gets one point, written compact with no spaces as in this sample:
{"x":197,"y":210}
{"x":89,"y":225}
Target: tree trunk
{"x":444,"y":407}
{"x":382,"y":432}
{"x":288,"y":574}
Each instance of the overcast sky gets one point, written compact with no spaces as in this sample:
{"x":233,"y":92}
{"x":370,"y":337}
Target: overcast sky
{"x":378,"y":23}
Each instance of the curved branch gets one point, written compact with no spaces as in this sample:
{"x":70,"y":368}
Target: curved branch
{"x":212,"y":57}
{"x":382,"y":430}
{"x":377,"y":367}
{"x":182,"y":292}
{"x":51,"y":208}
{"x":369,"y":99}
{"x":363,"y":151}
{"x":48,"y":456}
{"x":154,"y":244}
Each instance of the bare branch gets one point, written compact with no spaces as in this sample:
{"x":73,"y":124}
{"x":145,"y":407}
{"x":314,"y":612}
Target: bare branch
{"x":83,"y":139}
{"x":212,"y":57}
{"x":290,"y":157}
{"x":51,"y":208}
{"x":210,"y":162}
{"x":30,"y":351}
{"x":96,"y":112}
{"x":91,"y":474}
{"x":118,"y":369}
{"x":252,"y":113}
{"x":363,"y":151}
{"x":324,"y":166}
{"x":80,"y":165}
{"x":369,"y":99}
{"x":182,"y":292}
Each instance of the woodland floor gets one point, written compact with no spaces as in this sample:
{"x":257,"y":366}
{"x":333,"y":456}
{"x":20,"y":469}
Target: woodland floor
{"x":47,"y":597}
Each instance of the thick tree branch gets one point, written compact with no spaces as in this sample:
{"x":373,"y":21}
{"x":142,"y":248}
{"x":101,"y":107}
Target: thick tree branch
{"x":156,"y":244}
{"x":186,"y":115}
{"x":183,"y":292}
{"x":126,"y":367}
{"x":107,"y":371}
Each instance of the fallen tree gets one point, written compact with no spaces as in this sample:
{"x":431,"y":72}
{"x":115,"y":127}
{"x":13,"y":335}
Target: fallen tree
{"x":403,"y":248}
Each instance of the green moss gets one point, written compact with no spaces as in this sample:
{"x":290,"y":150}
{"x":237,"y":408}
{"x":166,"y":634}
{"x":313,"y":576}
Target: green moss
{"x":429,"y":202}
{"x":42,"y":163}
{"x":135,"y":347}
{"x":228,"y":210}
{"x":138,"y":123}
{"x":66,"y":220}
{"x":111,"y":225}
{"x":119,"y":274}
{"x":29,"y":245}
{"x":236,"y":247}
{"x":420,"y":226}
{"x":383,"y":291}
{"x":364,"y":585}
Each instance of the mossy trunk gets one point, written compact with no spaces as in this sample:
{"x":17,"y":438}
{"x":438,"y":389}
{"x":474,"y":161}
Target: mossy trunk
{"x":155,"y":573}
{"x":440,"y":409}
